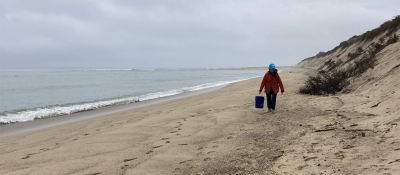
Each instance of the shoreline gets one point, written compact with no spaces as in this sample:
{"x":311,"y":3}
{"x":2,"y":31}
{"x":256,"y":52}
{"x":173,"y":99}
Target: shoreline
{"x":19,"y":110}
{"x":9,"y":129}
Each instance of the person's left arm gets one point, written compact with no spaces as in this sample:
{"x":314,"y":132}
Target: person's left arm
{"x":278,"y":78}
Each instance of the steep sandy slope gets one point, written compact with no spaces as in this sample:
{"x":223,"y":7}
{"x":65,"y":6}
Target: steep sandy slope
{"x":379,"y":85}
{"x":362,"y":135}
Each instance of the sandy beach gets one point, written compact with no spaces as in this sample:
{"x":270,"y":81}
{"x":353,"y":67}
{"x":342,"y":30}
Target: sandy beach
{"x":170,"y":87}
{"x":218,"y":132}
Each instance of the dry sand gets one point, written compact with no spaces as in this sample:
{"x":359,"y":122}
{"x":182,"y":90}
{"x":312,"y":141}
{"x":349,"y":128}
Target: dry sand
{"x":219,"y":132}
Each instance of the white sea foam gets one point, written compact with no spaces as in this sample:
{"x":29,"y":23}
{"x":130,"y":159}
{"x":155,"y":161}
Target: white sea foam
{"x":89,"y":70}
{"x":144,"y":69}
{"x":29,"y":115}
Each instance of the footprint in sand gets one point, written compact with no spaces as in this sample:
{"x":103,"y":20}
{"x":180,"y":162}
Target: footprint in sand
{"x":125,"y":166}
{"x":167,"y":142}
{"x":185,"y":161}
{"x":302,"y":167}
{"x":94,"y":174}
{"x":234,"y":160}
{"x":309,"y":158}
{"x":177,"y":170}
{"x":383,"y":169}
{"x":27,"y":156}
{"x":165,"y":138}
{"x":158,"y":146}
{"x":150,"y":151}
{"x":340,"y":156}
{"x":348,"y":147}
{"x":211,"y":152}
{"x":127,"y":160}
{"x":282,"y":166}
{"x":207,"y":159}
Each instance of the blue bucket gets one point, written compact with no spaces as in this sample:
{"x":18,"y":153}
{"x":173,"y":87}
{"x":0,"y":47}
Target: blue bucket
{"x":259,"y":101}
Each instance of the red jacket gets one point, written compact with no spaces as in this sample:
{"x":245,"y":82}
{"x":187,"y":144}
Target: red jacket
{"x":269,"y":80}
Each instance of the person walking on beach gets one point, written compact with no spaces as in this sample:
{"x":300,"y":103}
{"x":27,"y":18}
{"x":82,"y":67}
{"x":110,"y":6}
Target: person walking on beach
{"x":271,"y":83}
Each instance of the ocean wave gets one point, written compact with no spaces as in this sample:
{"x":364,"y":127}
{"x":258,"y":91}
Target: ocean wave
{"x":32,"y":114}
{"x":90,"y":70}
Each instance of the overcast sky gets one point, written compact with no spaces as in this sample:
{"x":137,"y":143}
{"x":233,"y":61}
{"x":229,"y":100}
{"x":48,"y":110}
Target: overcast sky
{"x":179,"y":33}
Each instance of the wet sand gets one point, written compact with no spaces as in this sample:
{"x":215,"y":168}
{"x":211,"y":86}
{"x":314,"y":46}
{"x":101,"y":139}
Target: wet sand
{"x":21,"y":127}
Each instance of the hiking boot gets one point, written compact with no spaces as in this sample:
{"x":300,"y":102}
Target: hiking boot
{"x":269,"y":110}
{"x":273,"y":111}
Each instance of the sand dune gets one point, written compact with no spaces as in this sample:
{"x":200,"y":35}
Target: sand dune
{"x":360,"y":135}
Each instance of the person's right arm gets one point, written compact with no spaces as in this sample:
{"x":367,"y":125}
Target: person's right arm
{"x":263,"y":83}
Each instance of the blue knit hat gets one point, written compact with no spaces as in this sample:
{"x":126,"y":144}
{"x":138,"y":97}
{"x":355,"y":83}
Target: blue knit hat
{"x":272,"y":66}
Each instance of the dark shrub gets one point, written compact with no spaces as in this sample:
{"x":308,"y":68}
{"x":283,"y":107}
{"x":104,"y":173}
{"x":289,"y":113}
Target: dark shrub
{"x":352,"y":56}
{"x":379,"y":47}
{"x":381,"y":40}
{"x":331,"y":80}
{"x":323,"y":83}
{"x":328,"y":63}
{"x":392,"y":40}
{"x":313,"y":85}
{"x":361,"y":65}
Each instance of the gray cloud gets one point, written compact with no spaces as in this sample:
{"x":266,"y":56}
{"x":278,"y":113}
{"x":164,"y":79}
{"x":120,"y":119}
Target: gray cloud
{"x":151,"y":34}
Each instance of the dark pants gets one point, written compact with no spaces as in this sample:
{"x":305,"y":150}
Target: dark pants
{"x":271,"y":100}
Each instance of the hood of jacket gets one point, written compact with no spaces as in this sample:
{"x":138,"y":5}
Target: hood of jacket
{"x":274,"y":73}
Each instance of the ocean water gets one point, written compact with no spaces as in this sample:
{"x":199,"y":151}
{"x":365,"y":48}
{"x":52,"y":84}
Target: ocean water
{"x":27,"y":95}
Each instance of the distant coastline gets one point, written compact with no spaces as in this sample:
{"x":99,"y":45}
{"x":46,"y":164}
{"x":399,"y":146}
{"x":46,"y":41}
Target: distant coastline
{"x":249,"y":68}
